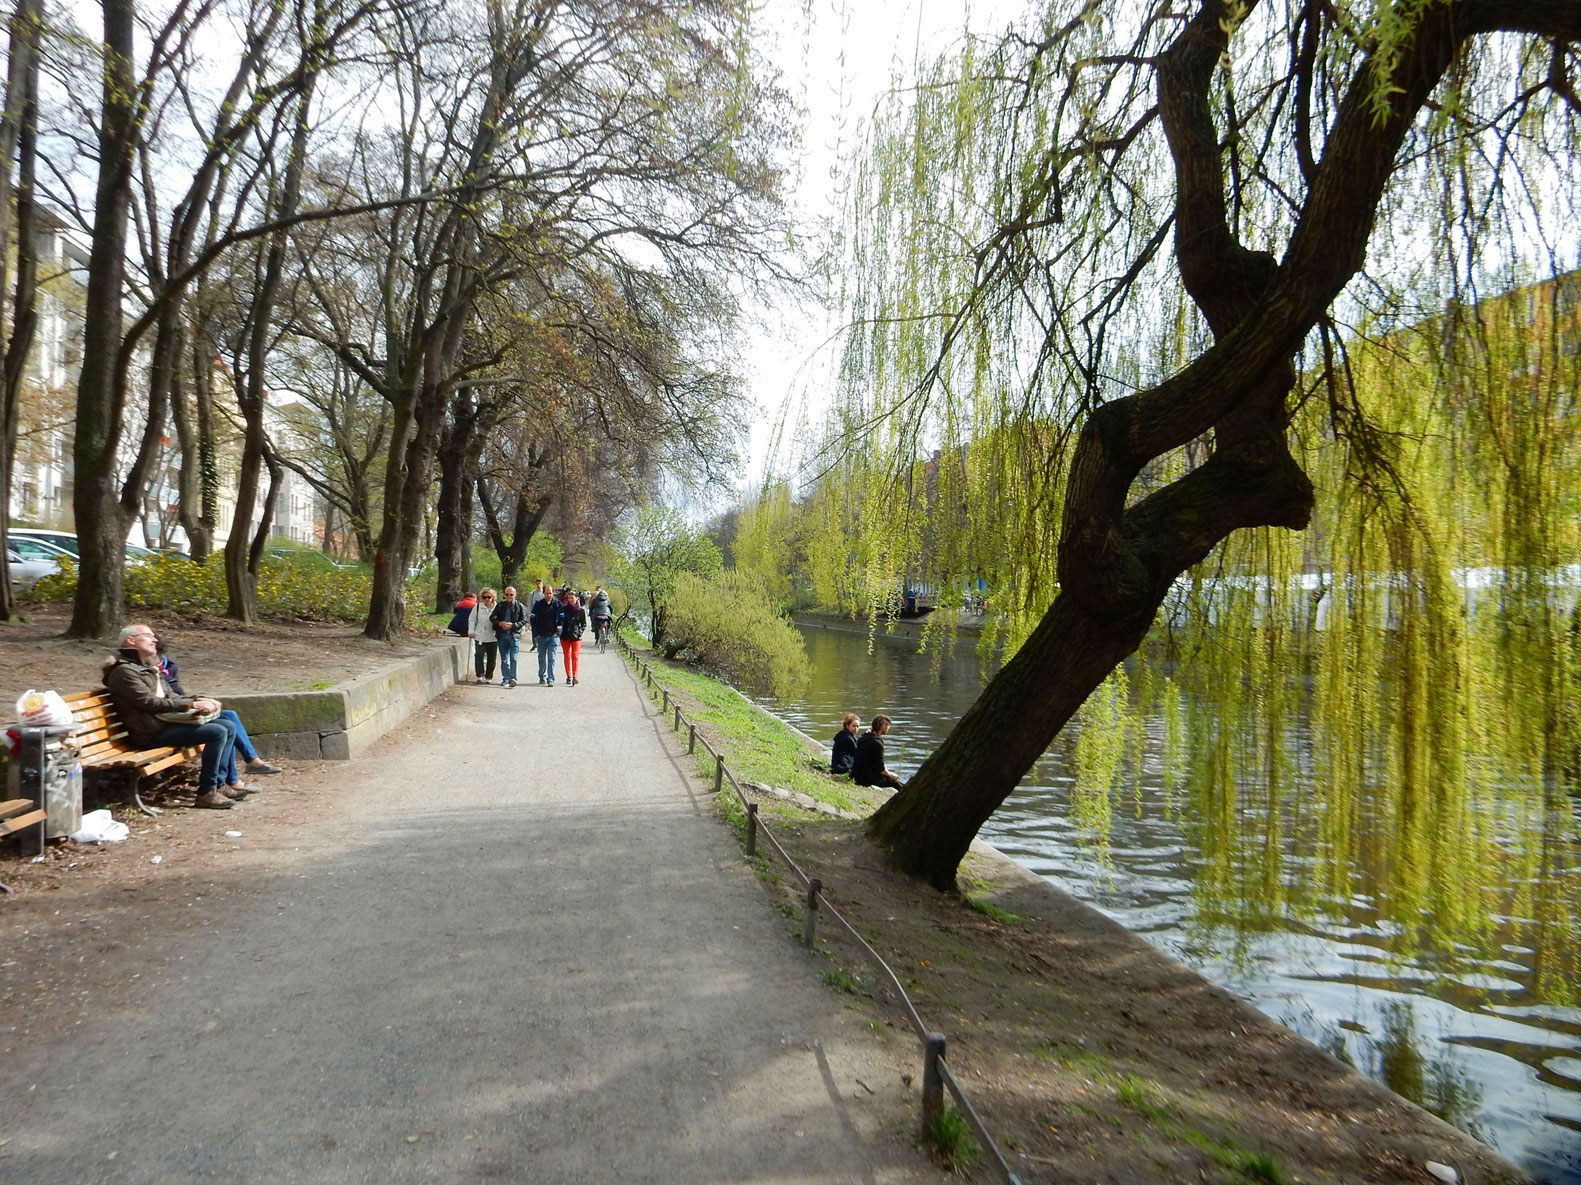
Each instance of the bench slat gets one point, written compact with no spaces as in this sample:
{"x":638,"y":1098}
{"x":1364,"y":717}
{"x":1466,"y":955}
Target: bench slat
{"x":15,"y":806}
{"x":21,"y":822}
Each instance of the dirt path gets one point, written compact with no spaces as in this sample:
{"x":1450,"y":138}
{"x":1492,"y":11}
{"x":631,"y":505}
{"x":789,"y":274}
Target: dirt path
{"x":512,"y":944}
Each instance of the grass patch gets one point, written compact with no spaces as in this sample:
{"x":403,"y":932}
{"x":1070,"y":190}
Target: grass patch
{"x":1074,"y":1058}
{"x":950,"y":1138}
{"x":1141,"y":1096}
{"x":842,"y":980}
{"x":757,"y":746}
{"x":989,"y":910}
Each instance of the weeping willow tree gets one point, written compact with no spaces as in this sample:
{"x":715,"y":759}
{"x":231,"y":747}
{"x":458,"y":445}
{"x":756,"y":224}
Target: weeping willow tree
{"x":1087,"y":266}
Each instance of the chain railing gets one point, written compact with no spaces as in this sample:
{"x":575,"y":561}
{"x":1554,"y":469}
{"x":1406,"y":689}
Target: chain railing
{"x":936,"y":1075}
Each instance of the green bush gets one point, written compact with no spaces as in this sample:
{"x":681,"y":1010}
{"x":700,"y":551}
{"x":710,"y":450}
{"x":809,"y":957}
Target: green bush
{"x":289,"y":585}
{"x":729,"y":625}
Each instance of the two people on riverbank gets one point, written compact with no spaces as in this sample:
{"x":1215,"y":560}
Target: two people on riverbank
{"x":862,"y":757}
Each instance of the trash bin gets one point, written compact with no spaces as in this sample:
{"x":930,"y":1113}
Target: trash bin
{"x":49,"y":771}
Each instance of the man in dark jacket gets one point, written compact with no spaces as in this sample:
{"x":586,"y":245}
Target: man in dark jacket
{"x":844,"y":754}
{"x":508,"y":619}
{"x":548,"y":615}
{"x":868,"y":767}
{"x":141,"y":695}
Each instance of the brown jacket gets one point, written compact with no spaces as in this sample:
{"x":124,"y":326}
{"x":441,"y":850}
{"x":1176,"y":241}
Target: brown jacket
{"x":139,"y":692}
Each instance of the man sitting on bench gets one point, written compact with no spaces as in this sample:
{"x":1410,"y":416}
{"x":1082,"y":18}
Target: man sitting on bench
{"x":142,"y":698}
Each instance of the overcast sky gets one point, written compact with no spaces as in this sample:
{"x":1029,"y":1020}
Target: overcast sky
{"x":837,"y":60}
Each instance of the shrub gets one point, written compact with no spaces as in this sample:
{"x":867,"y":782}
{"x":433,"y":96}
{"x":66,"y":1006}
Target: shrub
{"x":289,"y":585}
{"x":729,"y":625}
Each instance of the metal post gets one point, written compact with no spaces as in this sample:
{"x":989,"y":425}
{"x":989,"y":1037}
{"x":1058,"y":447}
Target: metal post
{"x":691,"y":741}
{"x":809,"y":931}
{"x":932,"y":1083}
{"x":752,"y":829}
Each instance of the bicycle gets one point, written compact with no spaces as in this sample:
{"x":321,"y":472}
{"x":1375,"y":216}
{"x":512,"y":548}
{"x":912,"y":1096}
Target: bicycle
{"x":601,"y":633}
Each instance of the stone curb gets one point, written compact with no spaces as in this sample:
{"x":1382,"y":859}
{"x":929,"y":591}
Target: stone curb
{"x":339,"y":723}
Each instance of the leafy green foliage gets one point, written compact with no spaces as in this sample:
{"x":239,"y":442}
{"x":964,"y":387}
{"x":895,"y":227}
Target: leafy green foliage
{"x":729,"y":624}
{"x":656,"y":546}
{"x":297,"y":583}
{"x":543,"y":559}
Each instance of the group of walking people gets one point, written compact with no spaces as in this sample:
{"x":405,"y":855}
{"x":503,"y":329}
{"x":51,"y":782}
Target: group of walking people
{"x":555,"y":620}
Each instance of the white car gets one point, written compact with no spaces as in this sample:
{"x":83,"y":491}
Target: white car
{"x":32,"y":559}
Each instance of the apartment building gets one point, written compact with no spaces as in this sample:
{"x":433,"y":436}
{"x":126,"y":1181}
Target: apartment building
{"x":41,"y":485}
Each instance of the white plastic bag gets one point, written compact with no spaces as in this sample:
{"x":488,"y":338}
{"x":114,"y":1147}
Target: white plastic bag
{"x":101,"y":827}
{"x":43,"y":709}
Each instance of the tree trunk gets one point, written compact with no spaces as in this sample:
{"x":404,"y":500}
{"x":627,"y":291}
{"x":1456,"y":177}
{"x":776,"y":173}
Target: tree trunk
{"x":528,"y":516}
{"x":243,"y":556}
{"x":405,"y":492}
{"x":193,"y":497}
{"x":101,"y":524}
{"x":455,"y":501}
{"x":19,"y":137}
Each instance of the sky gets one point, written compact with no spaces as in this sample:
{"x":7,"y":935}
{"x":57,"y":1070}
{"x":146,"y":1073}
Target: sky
{"x":837,"y":58}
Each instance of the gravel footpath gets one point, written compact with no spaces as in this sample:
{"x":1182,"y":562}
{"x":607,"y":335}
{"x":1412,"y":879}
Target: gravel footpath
{"x":515,"y":944}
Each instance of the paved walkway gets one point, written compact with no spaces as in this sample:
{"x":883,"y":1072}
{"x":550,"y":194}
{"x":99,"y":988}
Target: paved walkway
{"x":514,"y":945}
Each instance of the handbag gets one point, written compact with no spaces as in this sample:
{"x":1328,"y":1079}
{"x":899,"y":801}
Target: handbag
{"x":186,"y":716}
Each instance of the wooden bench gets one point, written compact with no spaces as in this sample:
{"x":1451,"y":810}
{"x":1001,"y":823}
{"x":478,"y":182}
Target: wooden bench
{"x":105,"y":748}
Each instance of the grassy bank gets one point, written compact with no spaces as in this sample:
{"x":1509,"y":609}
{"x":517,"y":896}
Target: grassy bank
{"x":757,"y":746}
{"x":1090,"y":1054}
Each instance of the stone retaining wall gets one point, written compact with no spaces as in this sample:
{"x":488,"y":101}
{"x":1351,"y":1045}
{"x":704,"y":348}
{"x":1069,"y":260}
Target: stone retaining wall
{"x":340,"y":722}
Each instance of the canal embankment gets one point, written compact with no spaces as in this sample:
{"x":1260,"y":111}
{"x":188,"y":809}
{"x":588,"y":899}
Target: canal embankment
{"x":1091,"y":1054}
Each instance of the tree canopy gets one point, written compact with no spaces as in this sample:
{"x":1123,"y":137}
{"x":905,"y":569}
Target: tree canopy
{"x":1096,"y":268}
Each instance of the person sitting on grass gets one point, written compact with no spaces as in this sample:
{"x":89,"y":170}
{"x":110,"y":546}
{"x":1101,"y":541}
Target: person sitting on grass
{"x":868,"y":767}
{"x":141,"y":696}
{"x":244,"y":743}
{"x":844,"y":753}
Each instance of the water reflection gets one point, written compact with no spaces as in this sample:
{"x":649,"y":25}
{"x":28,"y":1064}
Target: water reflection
{"x":1446,"y":969}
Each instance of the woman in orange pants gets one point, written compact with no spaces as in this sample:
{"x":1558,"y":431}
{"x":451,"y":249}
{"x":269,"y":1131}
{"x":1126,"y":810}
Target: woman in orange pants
{"x":573,"y":623}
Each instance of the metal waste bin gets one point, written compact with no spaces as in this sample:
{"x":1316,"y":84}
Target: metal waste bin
{"x":49,"y":771}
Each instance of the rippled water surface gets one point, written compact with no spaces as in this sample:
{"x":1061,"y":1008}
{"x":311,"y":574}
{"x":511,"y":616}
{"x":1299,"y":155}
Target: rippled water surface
{"x":1460,"y":1027}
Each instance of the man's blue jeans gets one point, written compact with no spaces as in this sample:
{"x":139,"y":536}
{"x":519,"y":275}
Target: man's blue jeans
{"x":509,"y":643}
{"x":218,"y":738}
{"x":244,"y":747}
{"x":546,"y":648}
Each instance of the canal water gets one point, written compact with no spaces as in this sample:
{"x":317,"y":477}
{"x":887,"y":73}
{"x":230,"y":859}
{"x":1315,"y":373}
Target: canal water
{"x":1460,"y":1019}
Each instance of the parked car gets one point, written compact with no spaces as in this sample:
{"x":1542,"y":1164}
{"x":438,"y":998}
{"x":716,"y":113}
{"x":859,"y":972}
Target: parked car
{"x":64,"y":540}
{"x":32,"y":559}
{"x":67,"y":542}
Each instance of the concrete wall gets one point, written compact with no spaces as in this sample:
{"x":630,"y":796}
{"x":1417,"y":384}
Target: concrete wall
{"x":341,"y":722}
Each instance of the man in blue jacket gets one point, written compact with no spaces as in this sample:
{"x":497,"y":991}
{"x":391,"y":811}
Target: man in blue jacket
{"x":547,"y":618}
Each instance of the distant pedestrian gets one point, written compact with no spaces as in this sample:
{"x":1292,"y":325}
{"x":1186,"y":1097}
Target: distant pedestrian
{"x":546,"y":615}
{"x":458,"y":621}
{"x":843,"y":755}
{"x":536,"y":595}
{"x":508,"y":618}
{"x":572,"y":625}
{"x":480,"y":628}
{"x":868,"y":767}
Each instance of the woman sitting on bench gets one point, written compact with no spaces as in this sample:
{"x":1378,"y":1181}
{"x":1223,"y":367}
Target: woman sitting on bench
{"x":145,"y":704}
